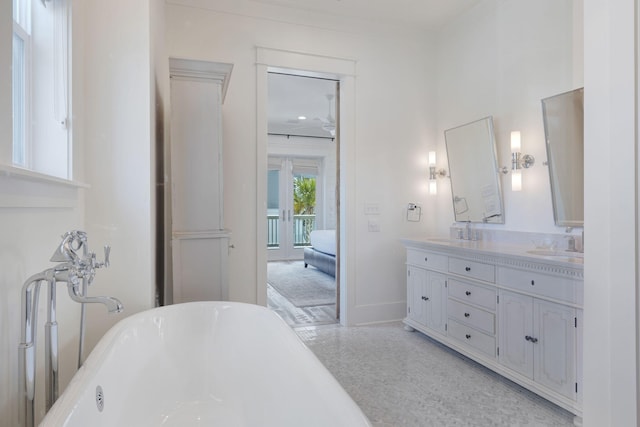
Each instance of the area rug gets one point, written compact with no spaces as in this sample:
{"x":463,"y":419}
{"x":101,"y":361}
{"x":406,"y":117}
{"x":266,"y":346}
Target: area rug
{"x":303,"y":287}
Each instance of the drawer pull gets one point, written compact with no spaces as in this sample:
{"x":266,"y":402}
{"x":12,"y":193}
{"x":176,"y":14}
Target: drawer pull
{"x":533,"y":282}
{"x":468,"y":336}
{"x":425,"y":259}
{"x":467,"y":315}
{"x":532,"y":339}
{"x":467,"y":293}
{"x":425,"y":298}
{"x":467,"y":269}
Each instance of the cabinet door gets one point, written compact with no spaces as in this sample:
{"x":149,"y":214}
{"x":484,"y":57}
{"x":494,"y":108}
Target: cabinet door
{"x":516,"y":324}
{"x":436,"y":312}
{"x":417,"y":295}
{"x":555,"y":348}
{"x":196,"y":160}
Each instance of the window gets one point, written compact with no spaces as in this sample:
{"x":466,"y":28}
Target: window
{"x":40,"y":81}
{"x":21,"y":53}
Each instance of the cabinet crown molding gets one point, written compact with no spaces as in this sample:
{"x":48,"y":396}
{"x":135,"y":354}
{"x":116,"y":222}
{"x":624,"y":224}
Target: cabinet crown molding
{"x":198,"y":69}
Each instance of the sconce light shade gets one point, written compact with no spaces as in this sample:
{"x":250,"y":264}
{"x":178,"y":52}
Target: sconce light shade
{"x":515,"y":141}
{"x":516,"y":180}
{"x":433,"y":187}
{"x":432,"y":158}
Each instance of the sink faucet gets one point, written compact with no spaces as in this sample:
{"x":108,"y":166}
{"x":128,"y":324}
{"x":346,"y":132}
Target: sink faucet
{"x":571,"y":243}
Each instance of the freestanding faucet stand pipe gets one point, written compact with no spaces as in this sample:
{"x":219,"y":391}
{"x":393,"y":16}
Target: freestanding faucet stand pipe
{"x":27,"y":348}
{"x":51,"y":347}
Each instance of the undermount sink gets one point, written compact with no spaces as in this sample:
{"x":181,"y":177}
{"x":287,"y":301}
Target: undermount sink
{"x":556,"y":253}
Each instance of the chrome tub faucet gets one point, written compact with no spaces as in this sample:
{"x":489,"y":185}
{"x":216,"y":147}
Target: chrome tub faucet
{"x":77,"y":267}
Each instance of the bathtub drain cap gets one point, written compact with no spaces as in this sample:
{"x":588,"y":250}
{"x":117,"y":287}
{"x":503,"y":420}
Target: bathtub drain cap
{"x":99,"y":398}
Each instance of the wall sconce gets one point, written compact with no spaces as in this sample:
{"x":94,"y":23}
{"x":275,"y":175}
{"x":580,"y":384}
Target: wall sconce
{"x":434,"y":173}
{"x":519,"y":161}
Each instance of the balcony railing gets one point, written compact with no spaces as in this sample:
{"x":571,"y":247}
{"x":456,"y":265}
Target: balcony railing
{"x":302,"y":227}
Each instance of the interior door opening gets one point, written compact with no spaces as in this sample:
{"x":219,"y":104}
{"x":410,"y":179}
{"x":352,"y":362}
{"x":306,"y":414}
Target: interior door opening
{"x":302,"y":188}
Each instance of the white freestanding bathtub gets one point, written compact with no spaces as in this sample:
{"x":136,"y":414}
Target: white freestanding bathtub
{"x":203,"y":364}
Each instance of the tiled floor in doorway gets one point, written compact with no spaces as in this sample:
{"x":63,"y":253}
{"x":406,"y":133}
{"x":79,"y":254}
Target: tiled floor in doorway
{"x":300,"y":316}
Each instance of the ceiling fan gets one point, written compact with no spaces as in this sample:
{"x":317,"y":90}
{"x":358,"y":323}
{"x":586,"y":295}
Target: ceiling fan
{"x":317,"y":125}
{"x":329,"y":123}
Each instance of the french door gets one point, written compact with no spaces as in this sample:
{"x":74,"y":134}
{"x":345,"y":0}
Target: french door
{"x":292,"y":203}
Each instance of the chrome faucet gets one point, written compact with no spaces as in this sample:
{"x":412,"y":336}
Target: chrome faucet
{"x":112,"y":304}
{"x":74,"y":269}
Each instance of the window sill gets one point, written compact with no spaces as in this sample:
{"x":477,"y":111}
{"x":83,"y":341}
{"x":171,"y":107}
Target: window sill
{"x":29,"y":175}
{"x":22,"y":188}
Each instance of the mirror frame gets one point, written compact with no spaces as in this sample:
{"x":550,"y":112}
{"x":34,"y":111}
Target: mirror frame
{"x":554,"y":166}
{"x":489,"y":168}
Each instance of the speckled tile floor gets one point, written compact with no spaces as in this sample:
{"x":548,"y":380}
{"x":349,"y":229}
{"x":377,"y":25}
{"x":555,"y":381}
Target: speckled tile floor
{"x":402,"y":378}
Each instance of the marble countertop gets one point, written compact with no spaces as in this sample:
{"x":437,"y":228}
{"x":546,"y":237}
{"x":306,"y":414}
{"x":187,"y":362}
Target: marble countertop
{"x":529,"y":252}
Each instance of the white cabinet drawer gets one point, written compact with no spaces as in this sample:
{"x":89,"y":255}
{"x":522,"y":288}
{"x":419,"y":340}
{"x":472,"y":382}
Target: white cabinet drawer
{"x":473,"y":338}
{"x":429,"y":260}
{"x":472,"y":294}
{"x":475,"y":270}
{"x":472,"y":316}
{"x":557,"y":288}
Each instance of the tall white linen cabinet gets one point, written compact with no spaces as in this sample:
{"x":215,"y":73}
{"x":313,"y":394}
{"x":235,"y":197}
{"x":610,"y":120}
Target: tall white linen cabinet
{"x":199,"y":241}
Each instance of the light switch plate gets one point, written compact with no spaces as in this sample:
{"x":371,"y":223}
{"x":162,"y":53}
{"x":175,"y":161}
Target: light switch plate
{"x":372,"y":209}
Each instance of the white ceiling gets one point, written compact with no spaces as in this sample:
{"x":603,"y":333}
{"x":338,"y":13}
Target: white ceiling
{"x":293,"y":96}
{"x":427,"y":14}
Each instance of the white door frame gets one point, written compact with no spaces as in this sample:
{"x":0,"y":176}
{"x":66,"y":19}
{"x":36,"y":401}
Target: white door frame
{"x":313,"y":65}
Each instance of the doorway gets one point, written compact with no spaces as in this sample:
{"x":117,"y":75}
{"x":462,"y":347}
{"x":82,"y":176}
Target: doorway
{"x":293,"y":184}
{"x":302,"y":180}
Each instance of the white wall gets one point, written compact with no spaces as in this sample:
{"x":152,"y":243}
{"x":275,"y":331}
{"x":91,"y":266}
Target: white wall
{"x":30,"y":234}
{"x":119,"y":88}
{"x":611,"y":214}
{"x":394,"y":119}
{"x":33,"y":215}
{"x":500,"y":59}
{"x":112,"y":128}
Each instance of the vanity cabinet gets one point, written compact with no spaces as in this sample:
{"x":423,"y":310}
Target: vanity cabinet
{"x":538,"y":340}
{"x":426,"y":298}
{"x":471,"y":316}
{"x":516,"y":314}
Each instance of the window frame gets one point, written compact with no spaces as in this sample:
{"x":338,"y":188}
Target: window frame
{"x":26,"y":144}
{"x":42,"y":137}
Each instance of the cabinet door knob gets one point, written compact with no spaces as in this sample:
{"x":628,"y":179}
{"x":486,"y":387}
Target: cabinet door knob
{"x":533,"y":282}
{"x":467,"y":315}
{"x":425,"y":259}
{"x":467,"y":293}
{"x":468,"y":336}
{"x":467,"y":269}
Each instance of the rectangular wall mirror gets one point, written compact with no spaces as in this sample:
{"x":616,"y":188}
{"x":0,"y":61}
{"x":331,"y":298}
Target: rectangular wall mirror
{"x":563,"y":116}
{"x":473,"y":167}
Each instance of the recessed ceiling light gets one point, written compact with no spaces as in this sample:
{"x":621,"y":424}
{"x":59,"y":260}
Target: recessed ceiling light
{"x":302,"y":118}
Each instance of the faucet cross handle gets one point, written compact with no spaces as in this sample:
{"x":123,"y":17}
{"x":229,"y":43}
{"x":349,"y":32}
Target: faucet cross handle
{"x":107,"y":254}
